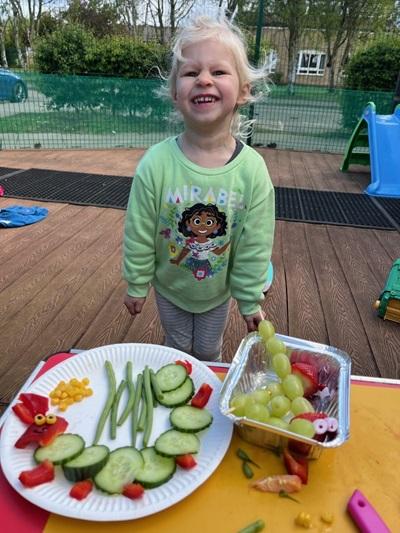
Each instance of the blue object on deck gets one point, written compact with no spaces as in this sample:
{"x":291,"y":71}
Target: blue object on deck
{"x":15,"y":216}
{"x":270,"y":277}
{"x":384,"y":150}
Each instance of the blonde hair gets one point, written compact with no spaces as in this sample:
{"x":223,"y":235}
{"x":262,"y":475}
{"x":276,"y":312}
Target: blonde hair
{"x":203,"y":28}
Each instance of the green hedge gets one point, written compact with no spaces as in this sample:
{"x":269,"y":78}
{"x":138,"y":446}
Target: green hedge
{"x":373,"y":72}
{"x":74,"y":50}
{"x":375,"y":68}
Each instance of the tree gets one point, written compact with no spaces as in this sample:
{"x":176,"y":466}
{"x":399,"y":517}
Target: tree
{"x":17,"y":17}
{"x":98,"y":16}
{"x":4,"y":19}
{"x":341,"y":22}
{"x":168,"y":11}
{"x":230,"y":7}
{"x":129,"y":13}
{"x":293,"y":14}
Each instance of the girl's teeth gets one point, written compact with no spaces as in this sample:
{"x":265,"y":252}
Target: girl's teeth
{"x":203,"y":99}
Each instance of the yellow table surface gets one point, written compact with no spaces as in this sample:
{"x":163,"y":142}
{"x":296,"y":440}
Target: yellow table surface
{"x":368,"y":461}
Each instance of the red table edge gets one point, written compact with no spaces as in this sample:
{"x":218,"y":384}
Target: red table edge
{"x":28,"y":518}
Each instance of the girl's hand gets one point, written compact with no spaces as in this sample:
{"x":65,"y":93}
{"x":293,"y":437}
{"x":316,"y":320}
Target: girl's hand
{"x":133,"y":304}
{"x":252,"y":321}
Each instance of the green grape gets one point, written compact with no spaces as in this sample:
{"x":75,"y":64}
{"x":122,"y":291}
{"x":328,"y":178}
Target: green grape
{"x":292,"y":386}
{"x":281,"y":365}
{"x":278,"y":422}
{"x":273,"y":346}
{"x":279,"y":406}
{"x":257,"y":411}
{"x":266,"y":329}
{"x":260,"y":396}
{"x":302,"y":427}
{"x":239,"y":403}
{"x":275,"y":389}
{"x":301,"y":405}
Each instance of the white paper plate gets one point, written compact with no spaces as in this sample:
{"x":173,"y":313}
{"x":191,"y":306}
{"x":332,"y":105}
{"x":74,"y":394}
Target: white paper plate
{"x":83,"y":417}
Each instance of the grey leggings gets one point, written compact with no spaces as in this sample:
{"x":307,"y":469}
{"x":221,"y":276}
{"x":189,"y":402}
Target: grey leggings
{"x":199,"y":334}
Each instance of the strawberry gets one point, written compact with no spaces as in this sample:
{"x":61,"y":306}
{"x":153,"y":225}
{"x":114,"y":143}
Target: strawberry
{"x":296,"y":465}
{"x":311,"y":416}
{"x":309,"y":377}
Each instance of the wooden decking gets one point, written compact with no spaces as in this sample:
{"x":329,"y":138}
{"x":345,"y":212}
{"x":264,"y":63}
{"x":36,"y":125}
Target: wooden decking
{"x":61,"y":287}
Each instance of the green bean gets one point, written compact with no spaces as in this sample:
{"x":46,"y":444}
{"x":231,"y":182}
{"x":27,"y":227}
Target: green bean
{"x":284,"y":494}
{"x":155,"y":386}
{"x":143,"y":412}
{"x":254,"y":527}
{"x":131,"y":397}
{"x":247,"y":471}
{"x":243,"y":455}
{"x":112,"y":386}
{"x":149,"y":401}
{"x":114,"y":409}
{"x":135,"y":408}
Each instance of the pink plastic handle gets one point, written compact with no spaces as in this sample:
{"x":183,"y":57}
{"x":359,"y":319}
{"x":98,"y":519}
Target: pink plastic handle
{"x":364,"y":515}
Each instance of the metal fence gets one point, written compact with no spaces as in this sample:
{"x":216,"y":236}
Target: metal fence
{"x":93,"y":112}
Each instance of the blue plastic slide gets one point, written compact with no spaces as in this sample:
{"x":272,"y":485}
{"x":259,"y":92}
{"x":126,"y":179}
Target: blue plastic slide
{"x":382,"y":136}
{"x":384,"y":149}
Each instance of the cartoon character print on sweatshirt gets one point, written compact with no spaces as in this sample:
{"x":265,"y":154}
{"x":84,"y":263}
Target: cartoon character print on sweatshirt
{"x":199,"y":245}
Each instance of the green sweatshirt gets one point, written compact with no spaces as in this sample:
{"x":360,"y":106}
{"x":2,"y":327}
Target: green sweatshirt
{"x":199,"y":235}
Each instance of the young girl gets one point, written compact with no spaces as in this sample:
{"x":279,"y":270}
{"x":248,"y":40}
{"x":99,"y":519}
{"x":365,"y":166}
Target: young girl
{"x":200,"y":220}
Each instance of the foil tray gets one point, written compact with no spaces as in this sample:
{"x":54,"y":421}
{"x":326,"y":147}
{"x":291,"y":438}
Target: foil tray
{"x":251,"y":369}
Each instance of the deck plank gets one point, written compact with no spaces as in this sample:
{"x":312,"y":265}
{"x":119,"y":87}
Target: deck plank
{"x":353,"y":247}
{"x":344,"y":326}
{"x":61,"y":284}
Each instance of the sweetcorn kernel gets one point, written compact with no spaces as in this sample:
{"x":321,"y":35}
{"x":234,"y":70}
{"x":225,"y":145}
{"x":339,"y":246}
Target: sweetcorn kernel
{"x":65,"y":394}
{"x":304,"y":520}
{"x":327,"y":518}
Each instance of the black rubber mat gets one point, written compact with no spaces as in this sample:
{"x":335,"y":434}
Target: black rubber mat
{"x":5,"y":170}
{"x":301,"y":205}
{"x":338,"y":208}
{"x":69,"y":187}
{"x":392,"y":207}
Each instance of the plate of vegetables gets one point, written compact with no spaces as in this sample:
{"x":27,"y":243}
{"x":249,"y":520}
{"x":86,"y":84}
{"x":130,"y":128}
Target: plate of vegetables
{"x":116,"y":433}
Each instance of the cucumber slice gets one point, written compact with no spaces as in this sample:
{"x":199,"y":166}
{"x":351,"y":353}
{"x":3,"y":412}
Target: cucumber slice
{"x":179,"y":396}
{"x":87,"y":464}
{"x":170,"y":377}
{"x":190,"y":419}
{"x":120,"y":469}
{"x":156,"y":470}
{"x":173,"y":443}
{"x":64,"y":448}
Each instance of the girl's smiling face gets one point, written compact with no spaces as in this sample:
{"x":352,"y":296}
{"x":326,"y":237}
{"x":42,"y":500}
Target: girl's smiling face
{"x":208,"y":87}
{"x":203,"y":224}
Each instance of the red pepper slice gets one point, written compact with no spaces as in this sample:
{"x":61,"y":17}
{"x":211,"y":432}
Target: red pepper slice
{"x":81,"y":489}
{"x":38,"y":475}
{"x":133,"y":491}
{"x":202,"y":396}
{"x":296,"y":465}
{"x":186,"y":364}
{"x":42,"y":435}
{"x":35,"y":403}
{"x":23,"y":413}
{"x":186,"y":461}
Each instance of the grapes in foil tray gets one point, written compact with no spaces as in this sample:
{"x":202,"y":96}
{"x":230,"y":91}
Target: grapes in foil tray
{"x":295,"y":400}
